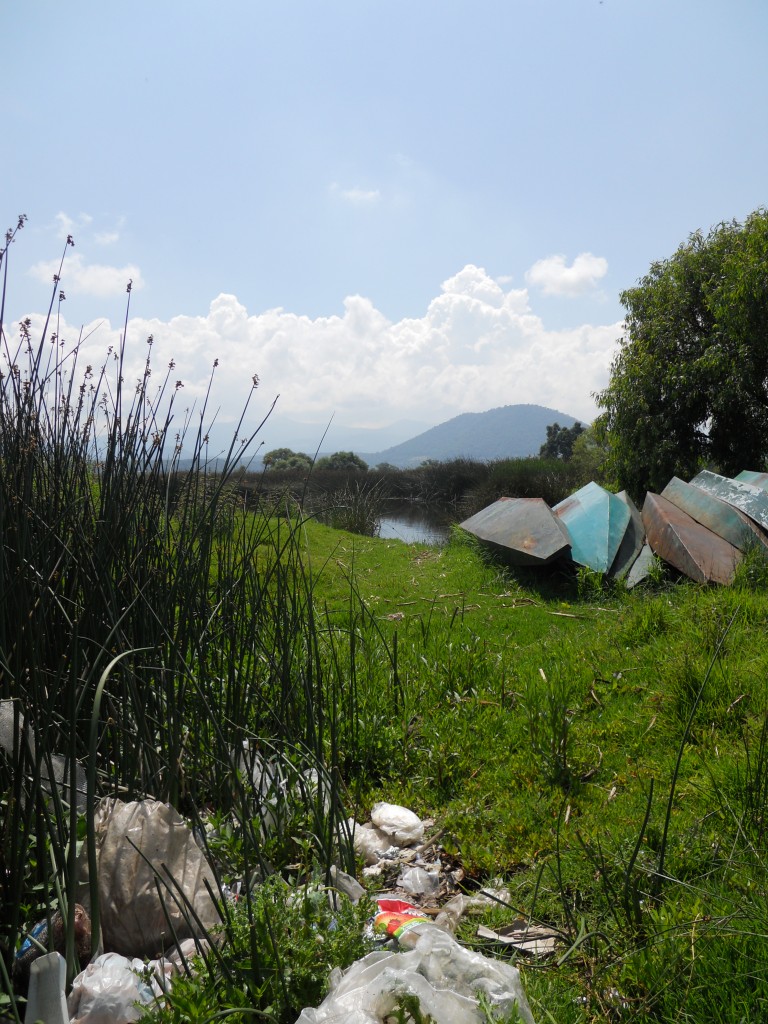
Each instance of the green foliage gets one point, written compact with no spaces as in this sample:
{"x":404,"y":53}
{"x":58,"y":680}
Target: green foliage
{"x":286,"y":458}
{"x":589,"y":458}
{"x":560,"y":441}
{"x":341,"y":460}
{"x":357,"y":506}
{"x":277,"y":949}
{"x":689,"y":386}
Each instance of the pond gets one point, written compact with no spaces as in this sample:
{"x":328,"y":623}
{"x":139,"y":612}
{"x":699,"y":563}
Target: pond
{"x":415,"y":524}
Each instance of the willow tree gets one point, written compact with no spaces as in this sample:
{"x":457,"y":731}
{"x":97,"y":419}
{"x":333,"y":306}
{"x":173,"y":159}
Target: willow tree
{"x":689,"y":385}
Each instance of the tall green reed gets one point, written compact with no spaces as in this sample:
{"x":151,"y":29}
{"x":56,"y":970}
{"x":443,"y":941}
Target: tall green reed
{"x":153,"y":627}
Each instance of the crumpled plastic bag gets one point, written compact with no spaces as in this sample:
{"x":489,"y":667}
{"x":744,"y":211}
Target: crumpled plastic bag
{"x":405,"y":827}
{"x":369,"y":842}
{"x":134,"y":841}
{"x":446,"y":978}
{"x":108,"y":989}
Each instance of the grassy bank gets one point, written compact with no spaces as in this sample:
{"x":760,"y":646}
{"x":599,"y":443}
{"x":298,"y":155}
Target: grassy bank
{"x":602,"y":752}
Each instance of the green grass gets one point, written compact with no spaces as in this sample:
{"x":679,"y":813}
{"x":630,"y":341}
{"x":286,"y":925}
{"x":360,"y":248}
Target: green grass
{"x":542,"y":728}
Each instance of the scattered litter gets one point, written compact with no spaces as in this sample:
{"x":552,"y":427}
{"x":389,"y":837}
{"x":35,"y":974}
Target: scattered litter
{"x":447,"y":980}
{"x":38,"y":943}
{"x":14,"y":730}
{"x":527,"y":938}
{"x":399,"y":920}
{"x":369,"y":842}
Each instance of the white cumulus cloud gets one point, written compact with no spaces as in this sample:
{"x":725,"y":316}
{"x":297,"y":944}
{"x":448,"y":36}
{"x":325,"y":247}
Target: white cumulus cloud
{"x":476,"y":347}
{"x":84,"y":278}
{"x":554,"y":277}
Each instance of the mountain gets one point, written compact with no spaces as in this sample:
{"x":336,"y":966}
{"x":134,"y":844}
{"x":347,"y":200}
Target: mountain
{"x":511,"y":431}
{"x":333,"y":436}
{"x":282,"y":432}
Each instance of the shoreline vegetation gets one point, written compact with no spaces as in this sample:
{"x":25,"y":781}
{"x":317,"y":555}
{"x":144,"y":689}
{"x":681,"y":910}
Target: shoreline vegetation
{"x":602,"y":754}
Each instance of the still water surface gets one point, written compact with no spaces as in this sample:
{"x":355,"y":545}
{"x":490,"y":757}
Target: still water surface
{"x":414,"y":524}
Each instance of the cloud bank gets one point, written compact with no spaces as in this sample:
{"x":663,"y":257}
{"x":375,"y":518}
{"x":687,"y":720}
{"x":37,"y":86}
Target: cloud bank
{"x":90,"y":278}
{"x":478,"y":345}
{"x":554,"y":277}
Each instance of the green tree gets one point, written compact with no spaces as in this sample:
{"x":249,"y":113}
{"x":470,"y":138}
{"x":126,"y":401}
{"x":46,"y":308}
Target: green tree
{"x":689,"y":386}
{"x":589,"y":457}
{"x":286,"y":458}
{"x":560,"y":441}
{"x":342,"y":460}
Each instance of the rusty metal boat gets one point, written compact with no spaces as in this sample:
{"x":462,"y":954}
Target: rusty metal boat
{"x":523,"y":530}
{"x":717,"y":515}
{"x":687,"y":545}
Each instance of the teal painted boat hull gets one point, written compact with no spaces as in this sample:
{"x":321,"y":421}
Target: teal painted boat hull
{"x":717,"y":515}
{"x":750,"y":500}
{"x":596,"y":521}
{"x":523,"y":530}
{"x":749,"y":476}
{"x":687,"y":545}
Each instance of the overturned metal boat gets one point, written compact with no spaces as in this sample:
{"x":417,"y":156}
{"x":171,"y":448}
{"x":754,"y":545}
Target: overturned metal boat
{"x":523,"y":530}
{"x":751,"y":500}
{"x":750,"y":476}
{"x":716,"y":514}
{"x":632,"y":541}
{"x":687,"y":545}
{"x":596,"y":521}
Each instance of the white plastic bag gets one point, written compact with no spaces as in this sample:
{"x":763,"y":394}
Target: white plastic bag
{"x":136,"y":844}
{"x":405,"y":827}
{"x":108,"y":989}
{"x":369,"y":842}
{"x":446,"y":979}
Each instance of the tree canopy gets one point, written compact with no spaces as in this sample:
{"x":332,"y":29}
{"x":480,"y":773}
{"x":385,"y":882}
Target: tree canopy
{"x":286,"y":458}
{"x":689,"y":386}
{"x":341,"y":460}
{"x":560,"y":441}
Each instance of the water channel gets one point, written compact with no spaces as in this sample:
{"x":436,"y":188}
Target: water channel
{"x":415,"y":524}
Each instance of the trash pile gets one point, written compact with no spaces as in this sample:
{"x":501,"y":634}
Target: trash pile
{"x":156,"y":894}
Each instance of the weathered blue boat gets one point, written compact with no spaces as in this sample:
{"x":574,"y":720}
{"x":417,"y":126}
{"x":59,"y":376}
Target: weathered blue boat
{"x":596,"y":521}
{"x":750,"y":476}
{"x":750,"y":500}
{"x":632,"y":542}
{"x":687,"y":545}
{"x":523,"y":530}
{"x":717,"y":515}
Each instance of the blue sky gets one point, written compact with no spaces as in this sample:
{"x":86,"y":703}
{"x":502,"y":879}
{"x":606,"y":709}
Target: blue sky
{"x":388,"y":210}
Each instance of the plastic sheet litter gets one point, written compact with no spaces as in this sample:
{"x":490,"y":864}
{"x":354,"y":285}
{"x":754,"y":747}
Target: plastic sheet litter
{"x":447,"y":980}
{"x":144,"y":849}
{"x":54,"y":768}
{"x":419,"y":880}
{"x":405,"y":827}
{"x":108,"y":990}
{"x":369,"y":842}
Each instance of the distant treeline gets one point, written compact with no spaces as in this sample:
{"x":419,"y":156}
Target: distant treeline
{"x":461,"y":486}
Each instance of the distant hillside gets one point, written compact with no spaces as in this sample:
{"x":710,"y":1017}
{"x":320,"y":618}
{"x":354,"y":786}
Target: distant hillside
{"x":511,"y":431}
